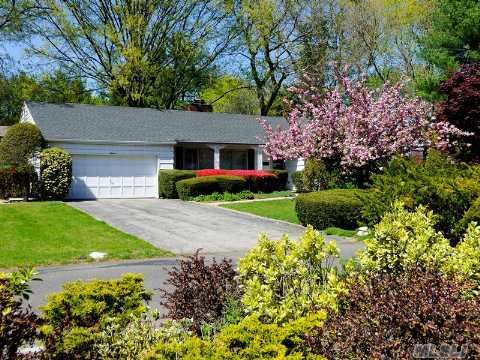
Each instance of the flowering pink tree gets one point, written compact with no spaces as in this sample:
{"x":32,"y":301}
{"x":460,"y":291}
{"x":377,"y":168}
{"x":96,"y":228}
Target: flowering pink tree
{"x":355,"y":126}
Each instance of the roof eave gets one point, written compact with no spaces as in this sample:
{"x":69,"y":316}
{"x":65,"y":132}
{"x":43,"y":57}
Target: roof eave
{"x":107,"y":142}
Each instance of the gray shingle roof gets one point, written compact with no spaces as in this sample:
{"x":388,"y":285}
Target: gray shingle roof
{"x":124,"y":124}
{"x":3,"y":130}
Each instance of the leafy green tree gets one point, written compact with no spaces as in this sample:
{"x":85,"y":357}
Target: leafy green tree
{"x":143,"y":53}
{"x":269,"y":41}
{"x":229,"y":94}
{"x":53,"y":88}
{"x":20,"y":144}
{"x":454,"y":36}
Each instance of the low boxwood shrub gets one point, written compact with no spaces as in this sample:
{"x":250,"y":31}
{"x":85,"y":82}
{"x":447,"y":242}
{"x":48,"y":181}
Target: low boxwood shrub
{"x":207,"y":185}
{"x":75,"y":317}
{"x":167,"y":180}
{"x":243,"y":195}
{"x":337,"y":207}
{"x":390,"y":316}
{"x":18,"y":323}
{"x":297,"y":179}
{"x":199,"y":291}
{"x":284,"y":280}
{"x":55,"y":173}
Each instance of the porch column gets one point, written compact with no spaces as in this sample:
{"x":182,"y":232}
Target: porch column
{"x":216,"y":155}
{"x":258,"y":158}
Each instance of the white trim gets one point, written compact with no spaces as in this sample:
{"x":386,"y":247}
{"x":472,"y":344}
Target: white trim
{"x":113,"y":142}
{"x":26,"y":116}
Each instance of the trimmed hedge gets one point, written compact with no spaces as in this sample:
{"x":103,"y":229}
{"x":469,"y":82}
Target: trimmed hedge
{"x":297,"y":179}
{"x":282,"y":179}
{"x":56,"y":173}
{"x":338,"y":207}
{"x":167,"y":180}
{"x":20,"y":143}
{"x":207,"y":185}
{"x":257,"y":180}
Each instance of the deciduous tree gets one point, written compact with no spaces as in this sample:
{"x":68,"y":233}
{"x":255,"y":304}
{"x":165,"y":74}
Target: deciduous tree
{"x":145,"y":53}
{"x":269,"y":40}
{"x":354,"y":127}
{"x":462,"y":107}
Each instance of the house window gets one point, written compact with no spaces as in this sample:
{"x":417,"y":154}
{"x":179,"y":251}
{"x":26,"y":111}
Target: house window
{"x":234,"y":159}
{"x":197,"y":158}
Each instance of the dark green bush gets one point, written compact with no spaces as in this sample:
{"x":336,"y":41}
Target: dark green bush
{"x":282,"y":179}
{"x":167,"y":180}
{"x":15,"y":183}
{"x":337,"y":207}
{"x":263,"y":184}
{"x":75,"y":317}
{"x":20,"y":144}
{"x":206,"y":185}
{"x":445,"y":187}
{"x":473,"y":214}
{"x":297,"y":179}
{"x":55,"y":173}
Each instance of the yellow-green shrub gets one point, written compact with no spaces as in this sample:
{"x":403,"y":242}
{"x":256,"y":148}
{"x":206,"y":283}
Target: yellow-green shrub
{"x":284,"y":279}
{"x":250,"y":339}
{"x":56,"y":173}
{"x":404,"y":239}
{"x":75,"y":317}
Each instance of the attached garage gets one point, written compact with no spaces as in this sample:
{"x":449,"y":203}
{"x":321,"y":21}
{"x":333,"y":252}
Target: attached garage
{"x":101,"y":176}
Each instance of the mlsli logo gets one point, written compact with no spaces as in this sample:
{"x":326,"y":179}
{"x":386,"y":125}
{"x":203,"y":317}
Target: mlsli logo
{"x":442,"y":351}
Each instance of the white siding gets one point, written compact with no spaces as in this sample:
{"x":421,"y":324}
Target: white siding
{"x":292,"y":166}
{"x":26,"y":116}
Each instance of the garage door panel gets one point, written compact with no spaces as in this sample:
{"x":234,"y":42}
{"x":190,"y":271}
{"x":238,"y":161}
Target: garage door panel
{"x":96,"y":176}
{"x":128,"y":181}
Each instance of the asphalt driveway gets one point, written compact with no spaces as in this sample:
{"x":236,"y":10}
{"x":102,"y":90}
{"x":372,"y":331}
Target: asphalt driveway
{"x":183,"y":227}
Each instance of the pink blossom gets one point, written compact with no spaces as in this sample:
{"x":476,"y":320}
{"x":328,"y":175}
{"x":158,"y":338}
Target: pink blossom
{"x":355,"y":124}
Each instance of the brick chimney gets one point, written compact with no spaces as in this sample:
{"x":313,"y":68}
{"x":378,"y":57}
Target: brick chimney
{"x":199,"y":105}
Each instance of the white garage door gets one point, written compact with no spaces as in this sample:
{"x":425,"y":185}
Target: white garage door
{"x":96,"y":176}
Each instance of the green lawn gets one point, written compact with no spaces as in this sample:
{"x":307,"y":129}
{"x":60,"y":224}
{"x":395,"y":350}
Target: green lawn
{"x":54,"y":233}
{"x":284,"y":210}
{"x":276,"y":209}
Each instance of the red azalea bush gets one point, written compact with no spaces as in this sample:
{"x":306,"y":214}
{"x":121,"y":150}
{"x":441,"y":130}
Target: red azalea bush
{"x":242,"y":173}
{"x":257,"y":180}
